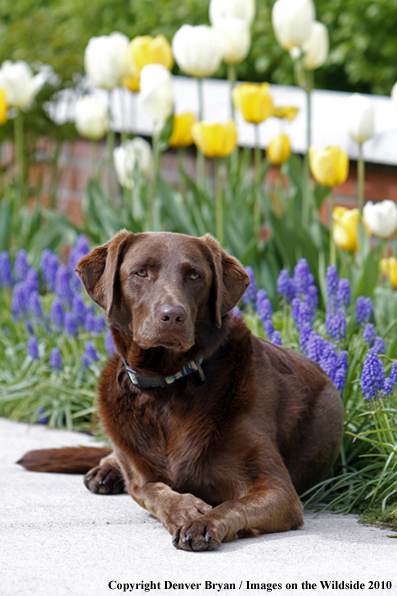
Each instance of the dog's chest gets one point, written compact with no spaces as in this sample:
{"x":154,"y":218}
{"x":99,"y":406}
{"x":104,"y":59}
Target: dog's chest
{"x":183,"y":447}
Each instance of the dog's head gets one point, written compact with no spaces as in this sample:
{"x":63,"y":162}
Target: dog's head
{"x":161,"y":289}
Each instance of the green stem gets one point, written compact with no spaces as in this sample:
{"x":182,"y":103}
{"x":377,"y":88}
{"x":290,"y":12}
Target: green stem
{"x":200,"y":155}
{"x":258,"y":182}
{"x":54,"y":175}
{"x":219,"y":202}
{"x":123,"y":132}
{"x":181,"y":167}
{"x":306,"y":164}
{"x":156,"y":171}
{"x":19,"y":152}
{"x":95,"y":157}
{"x":231,"y":75}
{"x":360,"y":178}
{"x":110,"y":143}
{"x":332,"y":246}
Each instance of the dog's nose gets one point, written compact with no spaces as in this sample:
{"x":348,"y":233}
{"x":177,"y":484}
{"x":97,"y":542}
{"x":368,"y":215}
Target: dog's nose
{"x":172,"y":315}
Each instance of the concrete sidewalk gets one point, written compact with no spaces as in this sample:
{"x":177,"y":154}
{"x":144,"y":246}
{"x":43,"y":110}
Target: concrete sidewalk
{"x":59,"y":539}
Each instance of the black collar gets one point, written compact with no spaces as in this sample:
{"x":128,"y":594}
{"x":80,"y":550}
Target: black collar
{"x":144,"y":381}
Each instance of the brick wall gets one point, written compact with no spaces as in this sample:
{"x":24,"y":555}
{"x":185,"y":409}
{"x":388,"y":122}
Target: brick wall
{"x":78,"y":162}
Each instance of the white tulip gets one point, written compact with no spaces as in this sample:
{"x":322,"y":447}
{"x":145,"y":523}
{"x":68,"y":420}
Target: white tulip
{"x":137,"y":152}
{"x":157,"y":92}
{"x":360,"y":118}
{"x":292,"y":21}
{"x":197,"y":50}
{"x":316,"y":47}
{"x":106,"y":60}
{"x":19,"y":83}
{"x":238,"y":9}
{"x":91,"y":118}
{"x":394,"y":95}
{"x":235,"y":39}
{"x":381,"y":218}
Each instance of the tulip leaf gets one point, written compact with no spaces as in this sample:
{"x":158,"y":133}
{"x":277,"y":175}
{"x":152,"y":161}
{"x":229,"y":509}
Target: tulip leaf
{"x":165,"y":133}
{"x":321,"y":192}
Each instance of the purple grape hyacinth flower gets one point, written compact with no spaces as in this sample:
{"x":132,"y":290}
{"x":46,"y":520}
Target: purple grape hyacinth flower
{"x":33,"y":348}
{"x":250,"y":294}
{"x":331,"y":281}
{"x":391,"y":380}
{"x":302,"y":276}
{"x":34,"y":305}
{"x":276,"y":338}
{"x":89,"y":349}
{"x":90,"y":322}
{"x":62,"y":285}
{"x":268,"y":328}
{"x":49,"y":267}
{"x":335,"y":324}
{"x":341,"y":370}
{"x":19,"y":300}
{"x":42,"y":419}
{"x":364,"y":309}
{"x":79,"y":309}
{"x":69,"y":324}
{"x":109,"y":343}
{"x":6,"y":280}
{"x":286,"y":286}
{"x":21,"y":265}
{"x":369,"y":334}
{"x":372,"y":376}
{"x":236,"y":312}
{"x":263,"y":306}
{"x":343,"y":295}
{"x":57,"y":314}
{"x":55,"y":359}
{"x":379,"y":345}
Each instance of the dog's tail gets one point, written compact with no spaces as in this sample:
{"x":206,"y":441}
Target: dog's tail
{"x":65,"y":460}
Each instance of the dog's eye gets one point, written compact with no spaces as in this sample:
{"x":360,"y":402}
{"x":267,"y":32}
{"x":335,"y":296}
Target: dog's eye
{"x":141,"y":273}
{"x":194,"y":276}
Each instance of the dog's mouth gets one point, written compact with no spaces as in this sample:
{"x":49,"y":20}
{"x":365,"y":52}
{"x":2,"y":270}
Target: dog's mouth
{"x":170,"y":343}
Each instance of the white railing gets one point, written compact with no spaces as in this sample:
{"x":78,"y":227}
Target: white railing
{"x":328,"y":116}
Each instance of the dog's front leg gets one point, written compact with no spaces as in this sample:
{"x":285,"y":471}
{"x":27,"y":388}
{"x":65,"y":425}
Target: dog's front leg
{"x":264,"y":509}
{"x":172,"y":509}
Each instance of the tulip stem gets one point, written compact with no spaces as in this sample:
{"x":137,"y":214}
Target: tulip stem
{"x":360,"y":178}
{"x":258,"y":182}
{"x":110,"y":142}
{"x":332,"y":246}
{"x":231,"y":75}
{"x":19,"y":152}
{"x":200,"y":155}
{"x":123,"y":132}
{"x":219,"y":201}
{"x":181,"y":168}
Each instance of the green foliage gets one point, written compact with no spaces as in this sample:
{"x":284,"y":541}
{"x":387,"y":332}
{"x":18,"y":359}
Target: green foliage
{"x":363,"y":40}
{"x":30,"y":389}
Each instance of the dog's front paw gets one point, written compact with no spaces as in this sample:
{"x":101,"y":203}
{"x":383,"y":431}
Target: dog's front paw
{"x":104,"y":480}
{"x":199,"y":534}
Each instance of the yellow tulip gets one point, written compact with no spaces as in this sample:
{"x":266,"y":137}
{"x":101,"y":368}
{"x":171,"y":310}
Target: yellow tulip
{"x":132,"y":81}
{"x":345,"y":228}
{"x":145,"y":49}
{"x":389,"y":268}
{"x":289,"y":112}
{"x":279,"y":150}
{"x":182,"y":131}
{"x":3,"y":107}
{"x":215,"y":140}
{"x":329,"y":166}
{"x":254,"y":101}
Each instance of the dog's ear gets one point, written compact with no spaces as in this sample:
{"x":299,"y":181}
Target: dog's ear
{"x":98,"y":271}
{"x":230,"y":279}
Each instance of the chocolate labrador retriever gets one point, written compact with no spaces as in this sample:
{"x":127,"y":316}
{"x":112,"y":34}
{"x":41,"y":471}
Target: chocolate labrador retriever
{"x":214,"y":431}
